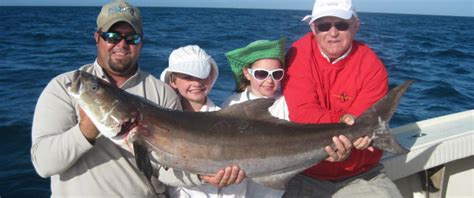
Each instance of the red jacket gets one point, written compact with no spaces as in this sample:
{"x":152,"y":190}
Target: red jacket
{"x":320,"y":92}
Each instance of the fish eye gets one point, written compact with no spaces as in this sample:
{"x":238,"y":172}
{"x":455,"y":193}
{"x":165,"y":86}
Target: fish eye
{"x":95,"y":87}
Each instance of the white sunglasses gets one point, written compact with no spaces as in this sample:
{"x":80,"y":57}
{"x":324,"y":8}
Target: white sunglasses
{"x":262,"y":74}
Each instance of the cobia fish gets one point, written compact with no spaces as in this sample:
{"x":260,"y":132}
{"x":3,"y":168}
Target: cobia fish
{"x":269,"y":150}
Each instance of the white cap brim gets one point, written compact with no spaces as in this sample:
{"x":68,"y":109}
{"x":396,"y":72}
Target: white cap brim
{"x":196,"y":68}
{"x":339,"y":13}
{"x":193,"y":61}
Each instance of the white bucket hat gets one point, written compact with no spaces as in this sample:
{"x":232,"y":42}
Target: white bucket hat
{"x":337,"y":8}
{"x":190,"y":60}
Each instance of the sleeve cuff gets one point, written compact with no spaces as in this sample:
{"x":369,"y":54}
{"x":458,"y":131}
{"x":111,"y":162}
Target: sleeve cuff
{"x":196,"y":180}
{"x":81,"y":140}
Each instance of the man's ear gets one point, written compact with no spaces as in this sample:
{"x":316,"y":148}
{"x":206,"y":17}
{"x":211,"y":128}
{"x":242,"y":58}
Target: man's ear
{"x":312,"y":26}
{"x":356,"y":26}
{"x":96,"y":37}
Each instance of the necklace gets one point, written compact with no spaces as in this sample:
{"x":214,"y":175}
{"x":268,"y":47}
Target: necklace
{"x":248,"y":95}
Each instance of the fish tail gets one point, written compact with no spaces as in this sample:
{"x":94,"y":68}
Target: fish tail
{"x":378,"y":118}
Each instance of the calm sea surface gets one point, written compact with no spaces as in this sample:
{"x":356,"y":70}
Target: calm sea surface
{"x":38,"y":43}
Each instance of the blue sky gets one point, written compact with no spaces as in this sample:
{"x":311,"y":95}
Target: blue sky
{"x":430,"y":7}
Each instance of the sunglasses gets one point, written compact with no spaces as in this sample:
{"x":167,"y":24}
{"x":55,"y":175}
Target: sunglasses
{"x":262,"y":74}
{"x":114,"y":38}
{"x":341,"y":26}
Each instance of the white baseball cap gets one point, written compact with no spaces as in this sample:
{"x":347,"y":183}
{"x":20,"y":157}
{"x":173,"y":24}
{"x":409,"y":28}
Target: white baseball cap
{"x":190,"y":60}
{"x":337,"y":8}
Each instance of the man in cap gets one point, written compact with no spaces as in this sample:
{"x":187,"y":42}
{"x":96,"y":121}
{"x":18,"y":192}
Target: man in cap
{"x":66,"y":145}
{"x":333,"y":78}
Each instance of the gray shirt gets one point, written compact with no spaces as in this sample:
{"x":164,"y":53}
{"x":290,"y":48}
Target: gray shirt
{"x":79,"y":169}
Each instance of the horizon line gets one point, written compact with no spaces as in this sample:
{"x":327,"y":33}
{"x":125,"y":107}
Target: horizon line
{"x":197,"y":7}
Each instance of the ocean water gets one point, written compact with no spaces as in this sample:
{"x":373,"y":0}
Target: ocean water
{"x":38,"y":43}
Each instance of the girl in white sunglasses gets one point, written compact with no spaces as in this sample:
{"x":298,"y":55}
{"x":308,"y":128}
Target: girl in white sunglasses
{"x":258,"y":70}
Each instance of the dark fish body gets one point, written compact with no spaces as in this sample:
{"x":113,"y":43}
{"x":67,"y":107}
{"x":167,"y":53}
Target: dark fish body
{"x":269,"y":150}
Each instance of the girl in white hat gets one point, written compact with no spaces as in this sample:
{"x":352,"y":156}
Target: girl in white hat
{"x":192,"y":73}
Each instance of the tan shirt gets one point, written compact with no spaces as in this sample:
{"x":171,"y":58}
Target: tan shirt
{"x":79,"y":169}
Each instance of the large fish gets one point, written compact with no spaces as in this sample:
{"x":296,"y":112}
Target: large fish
{"x":269,"y":150}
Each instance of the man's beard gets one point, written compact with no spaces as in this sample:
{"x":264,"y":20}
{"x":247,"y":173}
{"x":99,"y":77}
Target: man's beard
{"x":120,"y":67}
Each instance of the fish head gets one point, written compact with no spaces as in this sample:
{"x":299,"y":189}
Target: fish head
{"x":111,"y":111}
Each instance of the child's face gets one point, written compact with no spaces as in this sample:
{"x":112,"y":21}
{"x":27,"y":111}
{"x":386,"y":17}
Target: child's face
{"x":191,"y":88}
{"x":268,"y":86}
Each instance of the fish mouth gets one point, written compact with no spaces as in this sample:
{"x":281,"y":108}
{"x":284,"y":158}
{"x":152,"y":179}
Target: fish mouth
{"x":127,"y":126}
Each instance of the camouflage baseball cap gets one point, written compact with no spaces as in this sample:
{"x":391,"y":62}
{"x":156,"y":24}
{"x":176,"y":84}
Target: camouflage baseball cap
{"x":117,"y":11}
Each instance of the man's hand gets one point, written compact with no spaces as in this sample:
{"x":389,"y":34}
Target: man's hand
{"x":342,"y":150}
{"x":349,"y":119}
{"x":344,"y":146}
{"x":229,"y":175}
{"x":363,"y":143}
{"x":88,"y":128}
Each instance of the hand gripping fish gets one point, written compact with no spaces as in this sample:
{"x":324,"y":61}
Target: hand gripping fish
{"x":270,"y":151}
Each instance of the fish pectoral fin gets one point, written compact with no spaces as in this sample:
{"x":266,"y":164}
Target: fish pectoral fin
{"x":279,"y":181}
{"x":142,"y":159}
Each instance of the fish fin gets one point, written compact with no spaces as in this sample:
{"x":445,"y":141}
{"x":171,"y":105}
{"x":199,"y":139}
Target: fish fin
{"x":378,"y":117}
{"x":278,"y":181}
{"x":389,"y":143}
{"x":142,"y":159}
{"x":256,"y":109}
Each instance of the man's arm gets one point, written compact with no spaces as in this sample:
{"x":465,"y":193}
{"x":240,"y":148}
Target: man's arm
{"x":57,"y":142}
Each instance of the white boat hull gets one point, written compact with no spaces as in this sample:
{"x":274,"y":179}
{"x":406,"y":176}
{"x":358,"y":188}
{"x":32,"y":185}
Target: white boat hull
{"x":446,"y":140}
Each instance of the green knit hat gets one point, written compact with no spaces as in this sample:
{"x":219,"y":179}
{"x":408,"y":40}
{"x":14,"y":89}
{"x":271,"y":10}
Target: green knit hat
{"x":260,"y":49}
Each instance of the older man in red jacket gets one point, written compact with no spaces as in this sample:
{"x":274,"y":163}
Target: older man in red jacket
{"x":333,"y":78}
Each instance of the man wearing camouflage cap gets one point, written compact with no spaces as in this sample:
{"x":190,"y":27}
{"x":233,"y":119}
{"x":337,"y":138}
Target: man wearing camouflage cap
{"x":66,"y":145}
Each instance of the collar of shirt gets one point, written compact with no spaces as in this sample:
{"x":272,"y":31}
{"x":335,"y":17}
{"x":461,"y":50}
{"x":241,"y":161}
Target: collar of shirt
{"x":209,"y":106}
{"x":338,"y":59}
{"x":99,"y":72}
{"x":250,"y":96}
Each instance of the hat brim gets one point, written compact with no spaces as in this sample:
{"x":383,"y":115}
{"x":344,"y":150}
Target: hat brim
{"x":165,"y":75}
{"x":339,"y":13}
{"x":245,"y":56}
{"x":109,"y":24}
